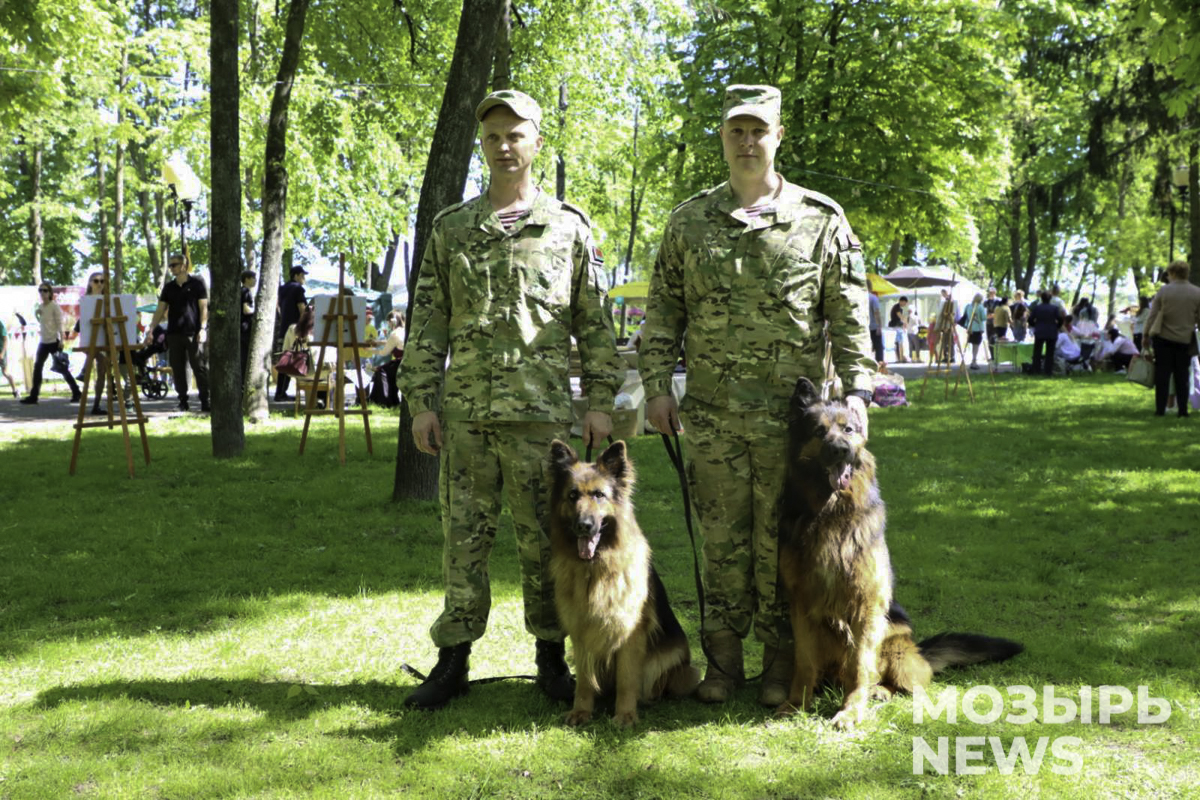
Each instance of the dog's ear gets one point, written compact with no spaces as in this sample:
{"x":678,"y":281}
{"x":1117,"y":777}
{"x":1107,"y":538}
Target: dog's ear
{"x":615,"y":461}
{"x":805,"y":395}
{"x":562,"y":457}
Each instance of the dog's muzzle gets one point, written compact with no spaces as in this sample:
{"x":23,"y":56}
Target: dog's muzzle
{"x":588,"y":530}
{"x":838,"y":459}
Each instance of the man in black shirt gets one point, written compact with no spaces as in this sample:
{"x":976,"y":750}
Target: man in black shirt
{"x":291,"y":303}
{"x":184,"y":302}
{"x":248,"y":280}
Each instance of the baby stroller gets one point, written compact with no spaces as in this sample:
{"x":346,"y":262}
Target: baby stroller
{"x":150,"y":377}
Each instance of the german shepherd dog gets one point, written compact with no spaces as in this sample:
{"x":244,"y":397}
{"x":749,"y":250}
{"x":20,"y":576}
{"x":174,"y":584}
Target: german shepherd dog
{"x":609,"y":599}
{"x":835,"y":566}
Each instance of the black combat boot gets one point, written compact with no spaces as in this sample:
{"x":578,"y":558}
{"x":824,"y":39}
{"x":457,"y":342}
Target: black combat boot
{"x":447,"y":679}
{"x":553,"y":676}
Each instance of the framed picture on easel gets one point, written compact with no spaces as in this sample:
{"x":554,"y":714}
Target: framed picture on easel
{"x":323,"y":305}
{"x":90,"y":334}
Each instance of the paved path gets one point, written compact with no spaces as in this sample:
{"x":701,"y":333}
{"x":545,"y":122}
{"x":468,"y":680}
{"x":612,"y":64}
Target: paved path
{"x":58,"y":410}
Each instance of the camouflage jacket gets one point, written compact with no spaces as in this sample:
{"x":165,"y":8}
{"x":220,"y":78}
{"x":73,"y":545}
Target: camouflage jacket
{"x":504,"y":305}
{"x":752,"y":297}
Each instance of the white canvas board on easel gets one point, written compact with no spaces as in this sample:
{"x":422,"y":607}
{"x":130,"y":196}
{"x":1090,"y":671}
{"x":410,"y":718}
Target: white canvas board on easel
{"x":88,"y":305}
{"x":323,"y":304}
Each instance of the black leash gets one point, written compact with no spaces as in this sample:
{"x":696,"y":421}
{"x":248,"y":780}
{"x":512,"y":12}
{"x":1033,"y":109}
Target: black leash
{"x":675,"y":451}
{"x":421,"y":676}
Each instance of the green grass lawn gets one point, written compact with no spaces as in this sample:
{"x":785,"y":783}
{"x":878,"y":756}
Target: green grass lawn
{"x":235,"y":628}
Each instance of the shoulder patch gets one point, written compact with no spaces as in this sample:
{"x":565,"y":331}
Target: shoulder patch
{"x":824,"y":200}
{"x":451,"y":209}
{"x":582,"y":214}
{"x":696,"y":196}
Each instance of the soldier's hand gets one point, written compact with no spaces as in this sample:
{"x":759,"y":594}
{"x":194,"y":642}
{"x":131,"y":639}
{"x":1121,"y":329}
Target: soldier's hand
{"x":663,"y":413}
{"x":424,"y":425}
{"x":858,"y":410}
{"x":597,"y":427}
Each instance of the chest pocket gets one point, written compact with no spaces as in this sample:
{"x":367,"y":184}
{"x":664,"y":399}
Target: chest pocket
{"x":792,"y":276}
{"x":470,"y":283}
{"x":542,"y":266}
{"x":706,"y":273}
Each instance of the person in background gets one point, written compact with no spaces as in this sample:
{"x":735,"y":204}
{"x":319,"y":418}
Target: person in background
{"x":1020,"y":316}
{"x":1140,"y":314}
{"x":976,"y":324}
{"x":1065,"y":347}
{"x":50,"y":318}
{"x":912,"y":329}
{"x":898,"y":322}
{"x":4,"y":360}
{"x":371,"y":332}
{"x":183,"y":301}
{"x":1056,"y":298}
{"x":1174,"y":315}
{"x":1118,"y":350}
{"x":1045,"y":318}
{"x":990,"y":304}
{"x":292,"y":303}
{"x":1001,"y":318}
{"x":875,"y":318}
{"x":95,"y":286}
{"x":247,"y":300}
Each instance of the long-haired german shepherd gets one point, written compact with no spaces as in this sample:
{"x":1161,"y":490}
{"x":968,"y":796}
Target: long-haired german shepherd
{"x":834,"y":563}
{"x":609,"y":598}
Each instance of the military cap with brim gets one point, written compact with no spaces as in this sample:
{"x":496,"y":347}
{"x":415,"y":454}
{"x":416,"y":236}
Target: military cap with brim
{"x":519,"y":103}
{"x":760,"y":102}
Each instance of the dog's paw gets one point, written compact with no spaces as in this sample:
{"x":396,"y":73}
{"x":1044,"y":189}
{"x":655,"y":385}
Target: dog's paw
{"x":578,"y":717}
{"x":880,"y":693}
{"x":784,"y":710}
{"x":625,"y":719}
{"x":848,"y":718}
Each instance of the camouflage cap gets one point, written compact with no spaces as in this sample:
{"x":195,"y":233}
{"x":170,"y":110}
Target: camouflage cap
{"x":760,"y":102}
{"x":519,"y":103}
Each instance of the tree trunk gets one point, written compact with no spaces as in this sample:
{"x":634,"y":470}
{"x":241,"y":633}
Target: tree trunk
{"x":160,"y":215}
{"x":1020,"y":278}
{"x":445,"y":175}
{"x":381,"y":278}
{"x":225,"y":209}
{"x":1031,"y":256}
{"x":274,"y":208}
{"x":102,"y":195}
{"x":31,"y":165}
{"x":560,"y":163}
{"x":501,"y":72}
{"x":1194,"y":211}
{"x":894,"y":254}
{"x":149,"y":233}
{"x":634,"y":205}
{"x":118,"y":262}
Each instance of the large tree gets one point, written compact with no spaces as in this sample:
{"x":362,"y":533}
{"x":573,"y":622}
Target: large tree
{"x":275,"y":188}
{"x":225,"y":313}
{"x":445,"y":175}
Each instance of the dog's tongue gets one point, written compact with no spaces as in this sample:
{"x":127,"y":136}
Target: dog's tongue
{"x":840,"y":478}
{"x":587,"y":546}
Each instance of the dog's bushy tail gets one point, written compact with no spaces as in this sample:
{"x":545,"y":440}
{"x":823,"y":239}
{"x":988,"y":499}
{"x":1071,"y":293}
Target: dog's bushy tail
{"x":959,"y":649}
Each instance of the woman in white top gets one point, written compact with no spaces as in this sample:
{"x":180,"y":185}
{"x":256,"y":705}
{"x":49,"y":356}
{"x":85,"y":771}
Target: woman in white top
{"x":50,"y":317}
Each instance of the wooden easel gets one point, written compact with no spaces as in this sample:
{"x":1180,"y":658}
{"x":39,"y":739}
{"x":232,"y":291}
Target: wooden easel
{"x":341,"y":312}
{"x":939,"y":361}
{"x":109,"y":320}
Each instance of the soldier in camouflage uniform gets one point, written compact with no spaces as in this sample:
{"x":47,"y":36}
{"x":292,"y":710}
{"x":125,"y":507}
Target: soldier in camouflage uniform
{"x":506,"y":280}
{"x":751,"y":272}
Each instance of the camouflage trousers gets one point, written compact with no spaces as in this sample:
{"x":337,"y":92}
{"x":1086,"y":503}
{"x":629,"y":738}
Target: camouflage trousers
{"x":736,"y":466}
{"x":479,"y":460}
